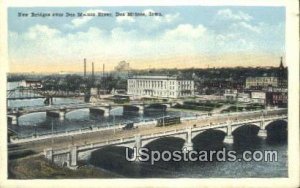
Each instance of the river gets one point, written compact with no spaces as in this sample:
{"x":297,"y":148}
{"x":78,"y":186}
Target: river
{"x":113,"y":158}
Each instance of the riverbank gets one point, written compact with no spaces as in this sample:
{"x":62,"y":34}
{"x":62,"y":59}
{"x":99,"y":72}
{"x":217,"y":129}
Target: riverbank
{"x":38,"y":167}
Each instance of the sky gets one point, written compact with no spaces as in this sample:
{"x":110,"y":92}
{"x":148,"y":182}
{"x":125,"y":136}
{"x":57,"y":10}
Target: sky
{"x":183,"y":37}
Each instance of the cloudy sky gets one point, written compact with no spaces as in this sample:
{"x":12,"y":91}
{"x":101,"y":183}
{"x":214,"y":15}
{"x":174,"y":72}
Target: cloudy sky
{"x":183,"y":37}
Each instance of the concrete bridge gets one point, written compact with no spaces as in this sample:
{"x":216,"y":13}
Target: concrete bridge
{"x":70,"y":155}
{"x":101,"y":109}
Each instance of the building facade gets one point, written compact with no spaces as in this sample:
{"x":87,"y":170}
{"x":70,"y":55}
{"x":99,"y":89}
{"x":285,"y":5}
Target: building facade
{"x":35,"y":84}
{"x":160,"y":86}
{"x":279,"y":80}
{"x":261,"y":82}
{"x":258,"y":97}
{"x":279,"y":99}
{"x":230,"y":94}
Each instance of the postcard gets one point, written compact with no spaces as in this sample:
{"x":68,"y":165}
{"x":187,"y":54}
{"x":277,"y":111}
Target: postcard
{"x":150,"y":94}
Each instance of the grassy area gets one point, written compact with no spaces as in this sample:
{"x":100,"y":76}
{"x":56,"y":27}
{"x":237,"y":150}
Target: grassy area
{"x":206,"y":106}
{"x":244,"y":108}
{"x":40,"y":168}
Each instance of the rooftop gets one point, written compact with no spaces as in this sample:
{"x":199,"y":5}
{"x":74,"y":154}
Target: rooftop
{"x":155,"y":77}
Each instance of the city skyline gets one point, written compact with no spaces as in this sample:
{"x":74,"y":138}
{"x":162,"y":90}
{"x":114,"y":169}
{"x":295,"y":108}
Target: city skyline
{"x":220,"y":37}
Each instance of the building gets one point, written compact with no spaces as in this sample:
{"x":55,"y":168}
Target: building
{"x":279,"y":99}
{"x":243,"y":97}
{"x":282,"y":76}
{"x":230,"y":94}
{"x":261,"y":82}
{"x":258,"y":97}
{"x":160,"y":86}
{"x":35,"y":84}
{"x":279,"y":80}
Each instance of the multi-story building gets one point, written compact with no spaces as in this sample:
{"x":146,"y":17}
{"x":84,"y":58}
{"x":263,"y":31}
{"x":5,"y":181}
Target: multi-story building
{"x":258,"y":97}
{"x":35,"y":84}
{"x":230,"y":94}
{"x":279,"y":99}
{"x":261,"y":82}
{"x":160,"y":86}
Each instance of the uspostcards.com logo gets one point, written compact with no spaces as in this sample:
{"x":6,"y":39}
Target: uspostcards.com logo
{"x":223,"y":155}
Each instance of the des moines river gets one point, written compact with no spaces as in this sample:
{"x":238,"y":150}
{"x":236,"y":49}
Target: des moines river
{"x":113,"y":158}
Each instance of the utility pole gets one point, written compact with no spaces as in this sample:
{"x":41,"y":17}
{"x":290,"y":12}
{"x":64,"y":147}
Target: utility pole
{"x":114,"y":123}
{"x":52,"y":141}
{"x":163,"y":118}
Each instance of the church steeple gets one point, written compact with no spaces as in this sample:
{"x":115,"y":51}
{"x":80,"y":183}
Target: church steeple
{"x":281,"y":69}
{"x":281,"y":63}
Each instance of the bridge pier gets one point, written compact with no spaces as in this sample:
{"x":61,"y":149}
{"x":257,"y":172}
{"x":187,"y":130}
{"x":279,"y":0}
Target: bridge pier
{"x":188,"y":145}
{"x":133,"y":109}
{"x":262,"y":133}
{"x":100,"y":111}
{"x":228,"y":138}
{"x":73,"y":158}
{"x":57,"y":114}
{"x":48,"y":101}
{"x":141,"y":109}
{"x":13,"y":119}
{"x":136,"y":148}
{"x":62,"y":114}
{"x":48,"y":154}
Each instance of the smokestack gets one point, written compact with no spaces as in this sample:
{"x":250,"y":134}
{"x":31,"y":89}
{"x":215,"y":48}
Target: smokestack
{"x":93,"y":69}
{"x":84,"y":73}
{"x":103,"y":70}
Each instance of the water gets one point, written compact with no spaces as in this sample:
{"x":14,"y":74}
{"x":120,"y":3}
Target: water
{"x":39,"y":123}
{"x":113,"y":158}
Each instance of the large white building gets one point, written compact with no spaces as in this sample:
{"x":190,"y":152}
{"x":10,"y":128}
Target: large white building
{"x":160,"y":86}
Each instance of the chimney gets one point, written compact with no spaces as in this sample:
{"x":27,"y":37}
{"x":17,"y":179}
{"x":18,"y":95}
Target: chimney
{"x":93,"y":69}
{"x":84,"y":73}
{"x":103,"y":70}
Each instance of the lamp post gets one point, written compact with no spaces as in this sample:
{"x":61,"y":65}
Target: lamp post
{"x":35,"y":130}
{"x":163,"y":118}
{"x":52,"y":141}
{"x":114,"y":123}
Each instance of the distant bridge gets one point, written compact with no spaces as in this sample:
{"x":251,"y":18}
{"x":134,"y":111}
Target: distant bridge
{"x":21,"y":93}
{"x":95,"y":108}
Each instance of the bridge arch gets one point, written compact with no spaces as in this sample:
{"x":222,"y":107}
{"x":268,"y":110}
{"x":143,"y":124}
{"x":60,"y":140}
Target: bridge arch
{"x":102,"y":111}
{"x":130,"y":109}
{"x":30,"y":113}
{"x":115,"y":108}
{"x":277,"y":131}
{"x":172,"y":141}
{"x":245,"y":129}
{"x":246,"y":136}
{"x":269,"y":124}
{"x":209,"y":139}
{"x":70,"y":111}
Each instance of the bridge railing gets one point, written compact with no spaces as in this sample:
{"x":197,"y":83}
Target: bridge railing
{"x":28,"y":138}
{"x":95,"y":145}
{"x":163,"y":133}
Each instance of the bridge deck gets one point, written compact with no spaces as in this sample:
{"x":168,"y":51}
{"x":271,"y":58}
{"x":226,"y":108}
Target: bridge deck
{"x":117,"y":134}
